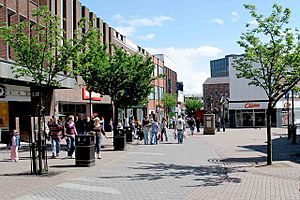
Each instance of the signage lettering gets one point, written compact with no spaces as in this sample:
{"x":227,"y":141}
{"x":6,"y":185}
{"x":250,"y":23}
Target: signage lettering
{"x":252,"y":105}
{"x":95,"y":96}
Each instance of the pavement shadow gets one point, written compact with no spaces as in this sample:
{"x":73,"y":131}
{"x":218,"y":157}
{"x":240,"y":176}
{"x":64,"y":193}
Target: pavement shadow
{"x":282,"y":150}
{"x":204,"y":175}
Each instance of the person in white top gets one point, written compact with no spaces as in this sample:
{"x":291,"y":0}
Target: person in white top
{"x":180,"y":128}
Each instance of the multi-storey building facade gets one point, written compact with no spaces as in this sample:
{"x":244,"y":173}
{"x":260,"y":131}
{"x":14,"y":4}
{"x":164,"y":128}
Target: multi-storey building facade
{"x":72,"y":98}
{"x":247,"y":104}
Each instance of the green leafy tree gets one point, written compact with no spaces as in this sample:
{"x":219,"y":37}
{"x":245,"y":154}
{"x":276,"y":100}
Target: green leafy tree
{"x":192,"y":105}
{"x":91,"y":62}
{"x":276,"y":48}
{"x":169,"y":101}
{"x":126,"y":78}
{"x":41,"y":54}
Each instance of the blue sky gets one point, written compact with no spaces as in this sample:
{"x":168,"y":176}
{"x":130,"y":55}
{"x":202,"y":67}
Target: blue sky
{"x":190,"y":32}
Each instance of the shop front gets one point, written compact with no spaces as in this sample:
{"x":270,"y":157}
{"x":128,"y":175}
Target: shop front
{"x":247,"y":114}
{"x":15,"y":109}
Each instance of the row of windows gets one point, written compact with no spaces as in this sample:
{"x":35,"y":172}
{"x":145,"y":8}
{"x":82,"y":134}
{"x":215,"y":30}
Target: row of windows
{"x":159,"y":91}
{"x":160,"y":70}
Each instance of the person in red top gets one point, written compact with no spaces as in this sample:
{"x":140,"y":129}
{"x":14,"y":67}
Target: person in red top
{"x":56,"y":134}
{"x":70,"y":133}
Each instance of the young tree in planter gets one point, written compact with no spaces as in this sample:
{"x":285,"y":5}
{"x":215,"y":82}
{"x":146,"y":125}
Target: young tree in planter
{"x":276,"y":48}
{"x":91,"y":62}
{"x":127,"y":80}
{"x":192,"y":105}
{"x":169,"y":101}
{"x":41,"y":53}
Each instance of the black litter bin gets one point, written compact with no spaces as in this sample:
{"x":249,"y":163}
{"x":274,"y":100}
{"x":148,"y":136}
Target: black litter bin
{"x":85,"y":150}
{"x":128,"y":133}
{"x":119,"y":139}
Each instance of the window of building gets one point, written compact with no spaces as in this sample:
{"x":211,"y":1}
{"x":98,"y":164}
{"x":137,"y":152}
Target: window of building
{"x":83,"y":16}
{"x":55,"y":7}
{"x":64,"y":18}
{"x":22,"y":18}
{"x":162,"y":92}
{"x":74,"y":17}
{"x":155,"y":70}
{"x":161,"y":70}
{"x":151,"y":95}
{"x":156,"y":92}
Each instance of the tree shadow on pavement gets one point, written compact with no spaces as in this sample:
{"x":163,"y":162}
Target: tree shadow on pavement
{"x":283,"y":150}
{"x":204,"y":175}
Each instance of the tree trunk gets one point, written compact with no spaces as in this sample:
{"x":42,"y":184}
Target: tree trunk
{"x":269,"y":138}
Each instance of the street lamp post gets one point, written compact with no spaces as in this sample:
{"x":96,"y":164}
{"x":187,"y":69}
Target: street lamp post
{"x":293,"y":127}
{"x":223,"y":117}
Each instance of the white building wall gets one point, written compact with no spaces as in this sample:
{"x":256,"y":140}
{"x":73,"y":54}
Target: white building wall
{"x":239,"y":88}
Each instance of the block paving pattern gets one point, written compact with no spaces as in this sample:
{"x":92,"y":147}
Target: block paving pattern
{"x":228,"y":165}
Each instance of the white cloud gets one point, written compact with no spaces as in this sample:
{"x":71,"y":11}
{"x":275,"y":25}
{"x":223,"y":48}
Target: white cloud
{"x":154,"y":21}
{"x":192,"y":64}
{"x":148,"y":36}
{"x":253,"y":23}
{"x":234,"y":16}
{"x":126,"y":30}
{"x":118,"y":17}
{"x":128,"y":26}
{"x":218,"y":21}
{"x":143,"y":21}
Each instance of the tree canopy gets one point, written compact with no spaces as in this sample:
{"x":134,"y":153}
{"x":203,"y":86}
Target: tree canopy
{"x":169,"y":101}
{"x":276,"y":48}
{"x":192,"y":105}
{"x":272,"y":58}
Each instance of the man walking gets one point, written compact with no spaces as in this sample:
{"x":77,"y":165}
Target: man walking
{"x":56,"y":134}
{"x":180,"y":128}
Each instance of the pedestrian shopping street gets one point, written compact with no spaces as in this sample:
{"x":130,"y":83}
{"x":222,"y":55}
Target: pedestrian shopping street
{"x":221,"y":166}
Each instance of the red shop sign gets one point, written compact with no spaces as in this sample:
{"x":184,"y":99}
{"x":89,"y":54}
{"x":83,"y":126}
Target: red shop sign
{"x":95,"y":96}
{"x":252,"y":105}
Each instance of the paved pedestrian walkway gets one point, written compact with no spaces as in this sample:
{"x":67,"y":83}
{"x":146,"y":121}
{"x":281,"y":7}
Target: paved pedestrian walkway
{"x":228,"y":165}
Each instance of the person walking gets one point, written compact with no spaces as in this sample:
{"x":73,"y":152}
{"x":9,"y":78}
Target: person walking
{"x":146,"y":126}
{"x":192,"y":124}
{"x":154,"y":131}
{"x":98,"y":128}
{"x":164,"y":125}
{"x":180,"y":128}
{"x":70,"y":133}
{"x":80,"y":124}
{"x":14,"y":146}
{"x":56,"y":133}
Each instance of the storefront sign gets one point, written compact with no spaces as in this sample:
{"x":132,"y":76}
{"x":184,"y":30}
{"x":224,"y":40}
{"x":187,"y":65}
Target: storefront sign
{"x":252,"y":105}
{"x":94,"y":96}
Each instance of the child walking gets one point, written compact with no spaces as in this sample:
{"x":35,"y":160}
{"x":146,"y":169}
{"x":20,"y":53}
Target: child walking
{"x":14,"y":146}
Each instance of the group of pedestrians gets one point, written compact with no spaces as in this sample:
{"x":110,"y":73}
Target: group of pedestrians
{"x":158,"y":131}
{"x":70,"y":129}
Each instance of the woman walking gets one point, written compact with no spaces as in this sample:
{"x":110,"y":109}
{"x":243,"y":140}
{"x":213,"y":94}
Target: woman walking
{"x":164,"y":125}
{"x":98,"y":128}
{"x":70,"y":133}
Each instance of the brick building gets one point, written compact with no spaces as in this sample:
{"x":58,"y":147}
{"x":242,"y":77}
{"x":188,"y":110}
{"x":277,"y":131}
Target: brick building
{"x":15,"y":100}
